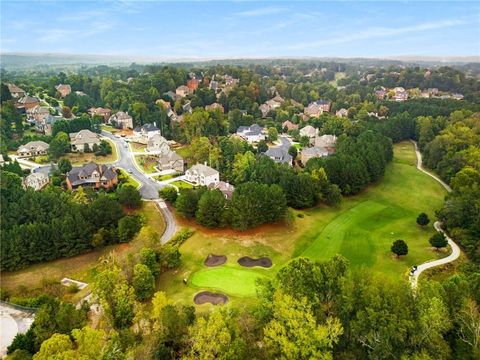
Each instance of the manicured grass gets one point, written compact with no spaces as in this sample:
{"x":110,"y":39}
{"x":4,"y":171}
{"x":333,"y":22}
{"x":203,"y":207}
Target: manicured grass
{"x":79,"y":158}
{"x":231,"y":280}
{"x":361,"y":229}
{"x":83,"y":267}
{"x":182,"y":184}
{"x":109,"y":128}
{"x":131,"y":180}
{"x":137,"y":147}
{"x":146,"y":163}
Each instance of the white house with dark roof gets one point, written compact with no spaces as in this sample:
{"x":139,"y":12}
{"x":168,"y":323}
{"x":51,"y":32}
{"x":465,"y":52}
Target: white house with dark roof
{"x":146,"y":132}
{"x":252,"y":134}
{"x":200,"y":174}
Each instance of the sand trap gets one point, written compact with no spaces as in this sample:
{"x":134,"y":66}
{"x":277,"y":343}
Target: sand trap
{"x":215,"y":260}
{"x":250,"y":262}
{"x":209,"y":297}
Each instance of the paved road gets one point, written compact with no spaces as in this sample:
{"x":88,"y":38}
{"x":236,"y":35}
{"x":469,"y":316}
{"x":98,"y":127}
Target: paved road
{"x":437,"y":225}
{"x":286,"y":143}
{"x":149,"y":188}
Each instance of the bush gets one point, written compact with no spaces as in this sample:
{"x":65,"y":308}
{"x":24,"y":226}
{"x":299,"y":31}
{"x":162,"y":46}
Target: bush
{"x":72,"y":288}
{"x":168,"y":193}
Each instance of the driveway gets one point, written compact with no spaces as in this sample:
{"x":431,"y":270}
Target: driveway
{"x":437,"y":225}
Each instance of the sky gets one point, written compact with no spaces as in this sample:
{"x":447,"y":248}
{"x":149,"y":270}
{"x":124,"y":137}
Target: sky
{"x":233,"y":29}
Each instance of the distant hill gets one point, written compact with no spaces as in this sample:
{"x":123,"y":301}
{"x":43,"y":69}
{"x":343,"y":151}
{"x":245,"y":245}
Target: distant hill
{"x":40,"y":61}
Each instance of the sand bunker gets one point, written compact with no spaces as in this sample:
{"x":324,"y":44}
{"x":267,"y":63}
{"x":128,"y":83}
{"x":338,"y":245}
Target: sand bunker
{"x":215,"y":260}
{"x":249,"y":262}
{"x":209,"y":297}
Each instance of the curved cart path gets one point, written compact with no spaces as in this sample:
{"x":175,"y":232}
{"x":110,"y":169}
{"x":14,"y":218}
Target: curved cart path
{"x":437,"y":225}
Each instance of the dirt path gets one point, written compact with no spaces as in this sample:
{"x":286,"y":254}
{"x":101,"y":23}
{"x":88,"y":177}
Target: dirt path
{"x":437,"y":225}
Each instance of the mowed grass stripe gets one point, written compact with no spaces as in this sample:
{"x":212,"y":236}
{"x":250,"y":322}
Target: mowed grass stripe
{"x":330,"y":241}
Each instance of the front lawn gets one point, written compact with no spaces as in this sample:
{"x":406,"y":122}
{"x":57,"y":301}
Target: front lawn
{"x":129,"y":179}
{"x":81,"y":158}
{"x":361,"y":229}
{"x":147,"y":163}
{"x":182,"y":184}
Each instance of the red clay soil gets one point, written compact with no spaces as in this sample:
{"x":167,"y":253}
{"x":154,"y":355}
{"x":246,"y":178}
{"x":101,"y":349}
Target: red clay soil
{"x":250,"y":262}
{"x":209,"y":297}
{"x":228,"y":231}
{"x":215,"y":260}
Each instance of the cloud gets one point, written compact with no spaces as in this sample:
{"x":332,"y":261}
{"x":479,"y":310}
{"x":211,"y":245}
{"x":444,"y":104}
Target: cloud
{"x":378,"y":32}
{"x":261,"y":12}
{"x":56,"y":35}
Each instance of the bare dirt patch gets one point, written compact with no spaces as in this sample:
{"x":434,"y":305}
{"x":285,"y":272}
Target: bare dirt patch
{"x":209,"y":297}
{"x":247,"y":261}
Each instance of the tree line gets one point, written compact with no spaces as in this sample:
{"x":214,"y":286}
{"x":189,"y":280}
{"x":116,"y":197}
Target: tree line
{"x":44,"y":225}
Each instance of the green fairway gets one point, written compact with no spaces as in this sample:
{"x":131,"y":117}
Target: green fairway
{"x":234,"y":281}
{"x":362,"y":229}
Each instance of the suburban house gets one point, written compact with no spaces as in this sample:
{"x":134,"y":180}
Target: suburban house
{"x":183,"y":91}
{"x":121,"y":120}
{"x":36,"y":181}
{"x":312,"y":152}
{"x":27,"y":102}
{"x":342,"y":112}
{"x":37,"y":113}
{"x":381,"y":93}
{"x":158,"y":143}
{"x":187,"y":107}
{"x":317,"y":108}
{"x":82,"y":139}
{"x":289,"y":125}
{"x":15,"y":91}
{"x":309,"y":131}
{"x":64,"y":90}
{"x":215,"y":106}
{"x":264,"y":108}
{"x":457,"y":96}
{"x":45,"y":125}
{"x":164,"y":104}
{"x":326,"y":141}
{"x":252,"y":134}
{"x":213,"y":85}
{"x":200,"y":174}
{"x":192,"y":84}
{"x":170,"y":160}
{"x":226,"y":188}
{"x":33,"y":148}
{"x":91,"y":174}
{"x":400,"y":94}
{"x":104,"y":113}
{"x":172,"y":95}
{"x":279,"y":155}
{"x":146,"y":132}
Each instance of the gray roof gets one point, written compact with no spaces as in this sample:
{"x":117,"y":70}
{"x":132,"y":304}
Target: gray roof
{"x":255,"y":129}
{"x":106,"y":173}
{"x":34,"y":145}
{"x":203,"y":169}
{"x":315,"y":151}
{"x":149,"y":127}
{"x":279,"y":155}
{"x":83,"y":137}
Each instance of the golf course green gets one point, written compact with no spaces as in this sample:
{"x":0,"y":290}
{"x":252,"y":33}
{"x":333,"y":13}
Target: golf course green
{"x":231,"y":280}
{"x":362,"y":229}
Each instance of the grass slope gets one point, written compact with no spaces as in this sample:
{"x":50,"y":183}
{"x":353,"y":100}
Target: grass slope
{"x":362,"y":229}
